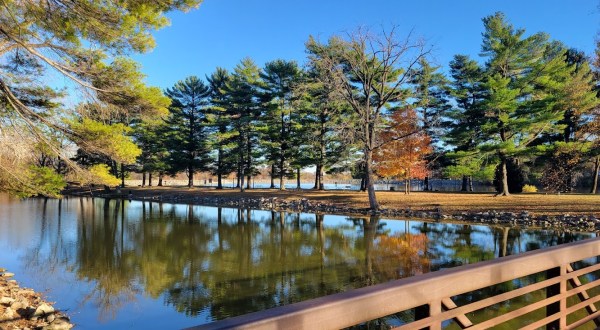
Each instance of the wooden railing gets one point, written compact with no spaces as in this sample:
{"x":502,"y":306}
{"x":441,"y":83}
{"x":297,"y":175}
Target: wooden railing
{"x":431,"y":296}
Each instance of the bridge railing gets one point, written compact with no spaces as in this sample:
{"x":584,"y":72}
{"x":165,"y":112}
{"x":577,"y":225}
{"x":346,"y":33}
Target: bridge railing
{"x":567,"y":288}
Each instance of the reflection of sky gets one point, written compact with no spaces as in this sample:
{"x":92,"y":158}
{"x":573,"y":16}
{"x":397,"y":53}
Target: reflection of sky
{"x":42,"y":249}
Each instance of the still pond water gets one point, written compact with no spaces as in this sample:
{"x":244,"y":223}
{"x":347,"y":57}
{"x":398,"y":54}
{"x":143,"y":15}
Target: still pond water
{"x":133,"y":265}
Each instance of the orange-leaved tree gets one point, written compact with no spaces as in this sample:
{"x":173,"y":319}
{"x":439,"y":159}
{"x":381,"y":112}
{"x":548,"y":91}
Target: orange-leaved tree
{"x":405,"y":145}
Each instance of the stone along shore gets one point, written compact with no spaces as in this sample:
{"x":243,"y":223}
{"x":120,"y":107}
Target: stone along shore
{"x":22,"y":308}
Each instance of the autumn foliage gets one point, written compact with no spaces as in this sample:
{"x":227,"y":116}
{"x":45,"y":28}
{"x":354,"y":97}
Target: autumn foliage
{"x":406,"y":248}
{"x":404,"y":147}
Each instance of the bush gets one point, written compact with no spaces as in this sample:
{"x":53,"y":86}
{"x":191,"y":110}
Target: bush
{"x":529,"y":188}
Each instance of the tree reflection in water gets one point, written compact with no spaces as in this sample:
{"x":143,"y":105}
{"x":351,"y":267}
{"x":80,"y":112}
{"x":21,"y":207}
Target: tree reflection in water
{"x":226,"y":262}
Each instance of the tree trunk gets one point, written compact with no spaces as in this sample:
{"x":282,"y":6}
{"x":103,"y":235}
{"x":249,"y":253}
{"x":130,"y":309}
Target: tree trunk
{"x":373,"y":204}
{"x":504,"y":172}
{"x":426,"y":183}
{"x":363,"y":184}
{"x":190,"y":176}
{"x":143,"y":179}
{"x":298,"y":178}
{"x":219,"y":181}
{"x":248,"y":181}
{"x":122,"y":175}
{"x":317,"y":177}
{"x":465,"y":183}
{"x":281,"y":174}
{"x":272,"y":176}
{"x":470,"y":183}
{"x":596,"y":173}
{"x":149,"y":179}
{"x":241,"y":172}
{"x":160,"y":179}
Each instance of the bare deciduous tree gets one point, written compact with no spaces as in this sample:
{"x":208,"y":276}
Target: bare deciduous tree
{"x":371,"y":73}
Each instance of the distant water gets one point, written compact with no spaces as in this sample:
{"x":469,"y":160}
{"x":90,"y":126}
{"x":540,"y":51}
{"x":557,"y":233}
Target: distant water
{"x":139,"y":265}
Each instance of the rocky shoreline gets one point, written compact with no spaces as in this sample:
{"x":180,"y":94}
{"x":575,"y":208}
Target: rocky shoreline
{"x":22,"y":308}
{"x":522,"y":219}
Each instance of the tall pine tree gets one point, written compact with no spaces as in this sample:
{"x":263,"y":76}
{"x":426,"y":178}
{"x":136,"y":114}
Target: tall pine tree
{"x":187,"y":138}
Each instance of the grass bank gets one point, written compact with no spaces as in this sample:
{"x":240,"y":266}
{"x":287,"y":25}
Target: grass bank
{"x":450,"y":203}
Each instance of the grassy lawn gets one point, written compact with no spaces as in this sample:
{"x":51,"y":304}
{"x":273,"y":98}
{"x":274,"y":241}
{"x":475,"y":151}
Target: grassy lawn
{"x":448,"y":202}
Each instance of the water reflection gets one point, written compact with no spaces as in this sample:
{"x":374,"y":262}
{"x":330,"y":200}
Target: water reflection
{"x":210,"y":263}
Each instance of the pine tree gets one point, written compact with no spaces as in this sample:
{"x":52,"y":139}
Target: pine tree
{"x":220,"y":119}
{"x":519,"y":106}
{"x":187,"y":137}
{"x":431,"y":104}
{"x":279,"y":78}
{"x":243,"y":100}
{"x":325,"y":126}
{"x":464,"y":120}
{"x":87,"y":44}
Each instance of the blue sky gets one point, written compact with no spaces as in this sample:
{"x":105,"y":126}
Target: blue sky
{"x":222,"y":32}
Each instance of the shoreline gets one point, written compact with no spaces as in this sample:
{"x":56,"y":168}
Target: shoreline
{"x":23,"y":308}
{"x":311,"y":202}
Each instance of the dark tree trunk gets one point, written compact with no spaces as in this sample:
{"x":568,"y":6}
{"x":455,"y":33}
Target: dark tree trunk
{"x":249,"y":178}
{"x":190,"y":176}
{"x":470,"y":183}
{"x":596,"y":173}
{"x":272,"y":176}
{"x":143,"y":179}
{"x":149,"y":179}
{"x":363,"y":184}
{"x":370,"y":182}
{"x":298,"y":178}
{"x":317,"y":177}
{"x":465,"y":183}
{"x":219,"y":181}
{"x":160,"y":179}
{"x":426,"y":183}
{"x":122,"y":175}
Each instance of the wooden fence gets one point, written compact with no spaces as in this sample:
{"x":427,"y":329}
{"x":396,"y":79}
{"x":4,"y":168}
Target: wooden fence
{"x":566,"y":276}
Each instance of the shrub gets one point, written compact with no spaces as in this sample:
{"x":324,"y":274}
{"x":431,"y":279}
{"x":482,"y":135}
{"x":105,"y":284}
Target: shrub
{"x":529,"y":188}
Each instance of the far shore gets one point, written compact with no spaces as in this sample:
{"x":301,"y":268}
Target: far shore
{"x":576,"y":212}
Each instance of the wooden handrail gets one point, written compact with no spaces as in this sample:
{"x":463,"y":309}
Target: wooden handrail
{"x":361,"y":305}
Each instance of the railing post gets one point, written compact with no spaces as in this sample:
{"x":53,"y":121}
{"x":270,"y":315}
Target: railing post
{"x":553,"y":290}
{"x":563,"y":301}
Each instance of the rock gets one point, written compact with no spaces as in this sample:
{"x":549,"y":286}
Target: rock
{"x":6,"y":300}
{"x":8,"y":314}
{"x":43,"y":309}
{"x":50,"y":318}
{"x":61,"y":323}
{"x":17,"y":305}
{"x":7,"y":274}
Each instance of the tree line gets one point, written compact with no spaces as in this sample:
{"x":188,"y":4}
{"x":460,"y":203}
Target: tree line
{"x":375,"y":105}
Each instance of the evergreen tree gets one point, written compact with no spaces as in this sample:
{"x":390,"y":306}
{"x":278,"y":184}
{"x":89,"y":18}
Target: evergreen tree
{"x":522,"y":74}
{"x":463,"y":122}
{"x":243,"y":100}
{"x":326,"y":125}
{"x":279,"y":78}
{"x":220,"y":120}
{"x":151,"y":139}
{"x":187,"y":137}
{"x":431,"y":104}
{"x":86,"y":43}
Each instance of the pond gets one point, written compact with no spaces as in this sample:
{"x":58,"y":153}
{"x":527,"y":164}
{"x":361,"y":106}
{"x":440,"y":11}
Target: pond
{"x":131,"y":264}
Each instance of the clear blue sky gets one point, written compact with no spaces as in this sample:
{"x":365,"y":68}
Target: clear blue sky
{"x":222,"y":32}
